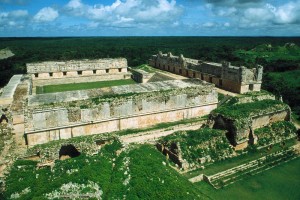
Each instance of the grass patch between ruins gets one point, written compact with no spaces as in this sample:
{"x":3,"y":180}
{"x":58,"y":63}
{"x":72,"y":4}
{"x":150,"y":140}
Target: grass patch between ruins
{"x":82,"y":86}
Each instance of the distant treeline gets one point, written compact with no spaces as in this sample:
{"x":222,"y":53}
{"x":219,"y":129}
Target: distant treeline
{"x":137,"y":50}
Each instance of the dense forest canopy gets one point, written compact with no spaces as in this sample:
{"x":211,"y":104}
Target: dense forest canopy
{"x":276,"y":54}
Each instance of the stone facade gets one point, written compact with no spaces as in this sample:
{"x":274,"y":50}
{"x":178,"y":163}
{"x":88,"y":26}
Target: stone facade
{"x":223,"y":75}
{"x":76,"y":71}
{"x":129,"y":107}
{"x":38,"y":119}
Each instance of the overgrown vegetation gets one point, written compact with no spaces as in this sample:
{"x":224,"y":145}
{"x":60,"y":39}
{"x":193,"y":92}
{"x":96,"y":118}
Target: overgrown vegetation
{"x":275,"y":132}
{"x":139,"y":172}
{"x":207,"y":144}
{"x":241,"y":113}
{"x":5,"y":136}
{"x":144,"y":173}
{"x":237,"y":111}
{"x":82,"y":86}
{"x":24,"y":175}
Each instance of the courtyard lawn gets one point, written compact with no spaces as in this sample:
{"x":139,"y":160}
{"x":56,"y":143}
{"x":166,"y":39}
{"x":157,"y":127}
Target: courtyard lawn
{"x":281,"y":182}
{"x":82,"y":86}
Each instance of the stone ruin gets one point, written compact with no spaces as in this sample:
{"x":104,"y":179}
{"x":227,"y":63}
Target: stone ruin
{"x":41,"y":118}
{"x":223,"y":75}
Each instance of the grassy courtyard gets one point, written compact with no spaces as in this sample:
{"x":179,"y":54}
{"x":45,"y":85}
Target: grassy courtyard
{"x":281,"y":182}
{"x":82,"y":86}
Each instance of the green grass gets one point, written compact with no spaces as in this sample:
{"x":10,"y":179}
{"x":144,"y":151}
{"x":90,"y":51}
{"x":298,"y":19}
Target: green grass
{"x":281,"y":182}
{"x":245,"y":110}
{"x":146,"y":68}
{"x":82,"y":86}
{"x":151,"y":177}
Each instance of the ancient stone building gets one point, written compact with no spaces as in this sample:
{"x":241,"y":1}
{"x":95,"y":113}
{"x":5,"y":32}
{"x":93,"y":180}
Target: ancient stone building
{"x":57,"y":72}
{"x":223,"y":75}
{"x":57,"y":116}
{"x":40,"y":118}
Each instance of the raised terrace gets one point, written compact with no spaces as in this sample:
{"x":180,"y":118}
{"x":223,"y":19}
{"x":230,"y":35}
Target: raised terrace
{"x":64,"y":115}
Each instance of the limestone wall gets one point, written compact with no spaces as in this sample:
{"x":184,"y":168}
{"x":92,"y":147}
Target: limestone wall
{"x":146,"y":107}
{"x":261,"y":121}
{"x":9,"y":90}
{"x":223,"y":75}
{"x":49,"y":73}
{"x":116,"y":124}
{"x":77,"y":65}
{"x":141,"y":76}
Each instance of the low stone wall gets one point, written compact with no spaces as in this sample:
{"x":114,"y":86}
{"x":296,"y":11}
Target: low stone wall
{"x":6,"y":97}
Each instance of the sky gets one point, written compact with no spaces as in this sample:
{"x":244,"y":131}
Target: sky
{"x":30,"y":18}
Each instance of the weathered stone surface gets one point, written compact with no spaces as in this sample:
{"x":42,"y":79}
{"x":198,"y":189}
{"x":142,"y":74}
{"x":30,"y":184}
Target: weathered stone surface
{"x":223,"y":75}
{"x":65,"y":133}
{"x":9,"y":90}
{"x":76,"y":65}
{"x":240,"y":135}
{"x":18,"y":119}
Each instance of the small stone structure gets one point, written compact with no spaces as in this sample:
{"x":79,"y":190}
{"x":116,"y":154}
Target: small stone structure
{"x":141,"y":76}
{"x":223,"y":75}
